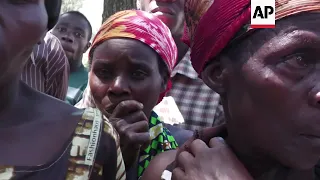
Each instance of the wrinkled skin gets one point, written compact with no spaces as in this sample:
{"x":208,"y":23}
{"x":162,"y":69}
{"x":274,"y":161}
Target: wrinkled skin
{"x":272,"y":95}
{"x":125,"y":83}
{"x":211,"y":159}
{"x":270,"y":89}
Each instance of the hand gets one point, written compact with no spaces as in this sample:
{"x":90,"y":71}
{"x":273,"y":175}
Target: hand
{"x":133,"y":128}
{"x":216,"y":162}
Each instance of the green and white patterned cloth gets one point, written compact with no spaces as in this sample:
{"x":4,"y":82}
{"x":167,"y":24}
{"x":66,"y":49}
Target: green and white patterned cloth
{"x":161,"y":141}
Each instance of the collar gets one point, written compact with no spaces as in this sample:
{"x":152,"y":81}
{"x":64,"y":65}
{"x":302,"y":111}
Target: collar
{"x":184,"y":67}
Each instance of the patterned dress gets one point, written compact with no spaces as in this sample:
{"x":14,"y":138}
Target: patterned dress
{"x":81,"y":159}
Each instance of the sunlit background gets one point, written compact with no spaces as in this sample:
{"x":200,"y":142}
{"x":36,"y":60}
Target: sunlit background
{"x":92,"y":9}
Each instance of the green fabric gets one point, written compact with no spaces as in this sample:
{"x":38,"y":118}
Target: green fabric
{"x":77,"y":83}
{"x":163,"y":141}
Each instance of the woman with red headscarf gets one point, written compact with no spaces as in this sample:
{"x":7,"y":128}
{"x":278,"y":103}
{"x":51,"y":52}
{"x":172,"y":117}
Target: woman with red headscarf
{"x":131,"y":59}
{"x":269,"y":82}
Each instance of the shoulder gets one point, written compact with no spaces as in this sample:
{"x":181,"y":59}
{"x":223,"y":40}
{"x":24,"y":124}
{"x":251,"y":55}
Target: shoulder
{"x":49,"y":105}
{"x":54,"y":46}
{"x":158,"y":165}
{"x":109,"y":147}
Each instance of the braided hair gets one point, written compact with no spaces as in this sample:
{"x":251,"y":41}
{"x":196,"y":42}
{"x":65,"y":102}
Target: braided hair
{"x":53,"y":8}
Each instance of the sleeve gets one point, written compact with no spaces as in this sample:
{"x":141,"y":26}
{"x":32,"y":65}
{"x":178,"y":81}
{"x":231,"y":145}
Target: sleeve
{"x":58,"y":71}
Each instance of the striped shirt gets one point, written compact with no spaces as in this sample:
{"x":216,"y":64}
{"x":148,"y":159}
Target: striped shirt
{"x":199,"y":105}
{"x":47,"y":70}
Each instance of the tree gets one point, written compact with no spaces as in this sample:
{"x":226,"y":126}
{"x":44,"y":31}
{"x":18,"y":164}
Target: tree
{"x":112,"y":6}
{"x":71,"y":5}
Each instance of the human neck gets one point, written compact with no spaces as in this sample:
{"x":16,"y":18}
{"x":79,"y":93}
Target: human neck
{"x":8,"y":93}
{"x":263,"y":167}
{"x":75,"y":66}
{"x":182,"y":47}
{"x":257,"y":165}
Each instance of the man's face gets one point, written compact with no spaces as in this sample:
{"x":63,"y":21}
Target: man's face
{"x":171,"y":12}
{"x":73,"y":32}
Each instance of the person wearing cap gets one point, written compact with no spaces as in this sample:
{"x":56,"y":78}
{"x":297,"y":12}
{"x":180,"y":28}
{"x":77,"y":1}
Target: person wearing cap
{"x":43,"y":137}
{"x":130,"y":62}
{"x":269,"y":82}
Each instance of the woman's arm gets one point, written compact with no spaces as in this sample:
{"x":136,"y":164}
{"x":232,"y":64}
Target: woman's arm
{"x":158,"y":165}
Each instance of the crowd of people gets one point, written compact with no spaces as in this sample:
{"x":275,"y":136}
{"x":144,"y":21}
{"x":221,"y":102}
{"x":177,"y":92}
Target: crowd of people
{"x":249,"y":98}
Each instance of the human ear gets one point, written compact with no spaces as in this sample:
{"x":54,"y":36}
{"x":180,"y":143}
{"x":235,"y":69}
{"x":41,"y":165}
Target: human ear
{"x":87,"y":47}
{"x":214,"y":75}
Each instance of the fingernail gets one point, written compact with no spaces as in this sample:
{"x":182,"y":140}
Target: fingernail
{"x":196,"y":134}
{"x":221,"y":139}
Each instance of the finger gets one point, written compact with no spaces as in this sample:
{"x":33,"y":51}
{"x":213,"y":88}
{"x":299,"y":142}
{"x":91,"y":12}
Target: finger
{"x":138,"y":138}
{"x":138,"y":127}
{"x":126,"y":107}
{"x":178,"y":174}
{"x":185,"y":160}
{"x":119,"y":124}
{"x":197,"y":146}
{"x":185,"y":146}
{"x":217,"y":142}
{"x":207,"y":133}
{"x":136,"y":117}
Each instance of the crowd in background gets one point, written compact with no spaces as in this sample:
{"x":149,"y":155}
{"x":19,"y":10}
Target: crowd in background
{"x":177,"y":89}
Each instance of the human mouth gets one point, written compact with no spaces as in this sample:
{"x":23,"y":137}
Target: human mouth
{"x":162,"y":11}
{"x":311,"y":136}
{"x":67,"y":48}
{"x":313,"y":139}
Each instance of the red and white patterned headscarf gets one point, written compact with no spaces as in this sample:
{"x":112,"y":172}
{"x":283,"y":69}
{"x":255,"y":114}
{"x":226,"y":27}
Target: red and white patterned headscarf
{"x":213,"y":24}
{"x":144,"y":27}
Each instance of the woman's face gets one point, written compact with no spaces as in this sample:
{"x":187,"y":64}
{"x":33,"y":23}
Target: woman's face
{"x":22,"y":24}
{"x":125,"y":69}
{"x":273,"y":97}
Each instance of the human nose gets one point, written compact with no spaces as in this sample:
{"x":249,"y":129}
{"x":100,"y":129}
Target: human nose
{"x":67,"y":37}
{"x":314,"y":94}
{"x":119,"y":88}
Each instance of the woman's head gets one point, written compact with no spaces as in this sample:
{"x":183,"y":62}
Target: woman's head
{"x":21,"y":26}
{"x":269,"y":81}
{"x":131,"y":58}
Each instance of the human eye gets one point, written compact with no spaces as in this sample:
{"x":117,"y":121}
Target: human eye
{"x":300,"y":61}
{"x":78,"y":35}
{"x":139,"y":74}
{"x":104,"y":73}
{"x":61,"y":29}
{"x":297,"y":65}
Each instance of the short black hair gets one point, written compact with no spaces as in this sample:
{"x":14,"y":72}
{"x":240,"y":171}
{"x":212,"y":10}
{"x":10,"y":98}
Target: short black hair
{"x":77,"y":13}
{"x":53,"y":8}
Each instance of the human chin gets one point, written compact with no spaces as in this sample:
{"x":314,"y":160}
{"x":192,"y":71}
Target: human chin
{"x":301,"y":155}
{"x":167,"y":19}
